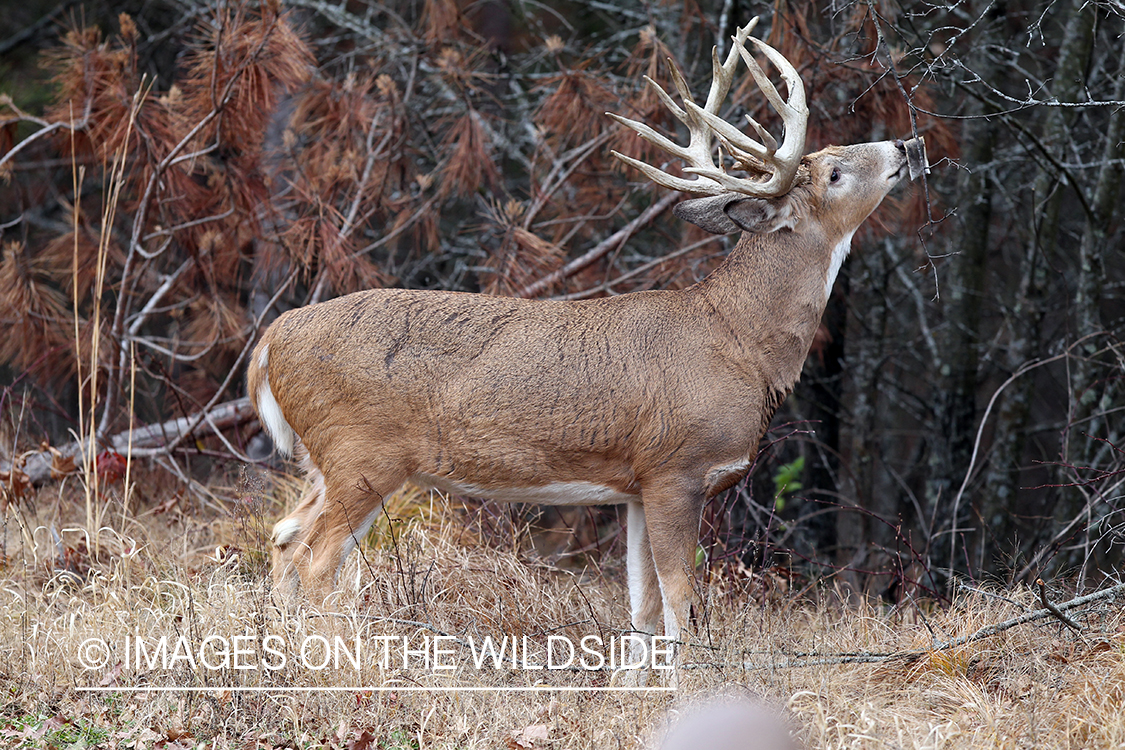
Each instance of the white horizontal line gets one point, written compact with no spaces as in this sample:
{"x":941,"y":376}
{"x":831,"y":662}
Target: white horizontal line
{"x":378,"y":689}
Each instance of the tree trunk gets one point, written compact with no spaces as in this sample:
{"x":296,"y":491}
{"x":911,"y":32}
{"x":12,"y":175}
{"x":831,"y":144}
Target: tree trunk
{"x":955,"y":414}
{"x":1095,"y":382}
{"x":859,"y":531}
{"x":1002,"y":480}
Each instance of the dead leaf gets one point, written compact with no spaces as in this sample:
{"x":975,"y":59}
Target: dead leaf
{"x":61,"y":465}
{"x":528,"y":737}
{"x":168,"y":504}
{"x":132,"y":737}
{"x":25,"y":732}
{"x":1100,"y":646}
{"x":55,"y":722}
{"x":111,"y":466}
{"x":109,"y":679}
{"x":365,"y":741}
{"x":15,"y":485}
{"x":343,"y":730}
{"x":176,"y":731}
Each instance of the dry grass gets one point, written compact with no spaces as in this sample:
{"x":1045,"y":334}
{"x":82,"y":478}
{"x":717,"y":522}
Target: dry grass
{"x":195,"y":572}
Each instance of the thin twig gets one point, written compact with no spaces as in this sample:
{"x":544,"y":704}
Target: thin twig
{"x":1026,"y":368}
{"x":815,"y":660}
{"x":601,"y":249}
{"x":1053,"y":609}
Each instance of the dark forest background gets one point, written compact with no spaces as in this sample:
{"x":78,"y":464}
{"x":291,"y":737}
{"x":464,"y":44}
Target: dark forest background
{"x":174,"y":174}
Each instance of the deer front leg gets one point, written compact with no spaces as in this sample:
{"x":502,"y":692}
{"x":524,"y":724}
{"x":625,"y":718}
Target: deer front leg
{"x":672,"y":513}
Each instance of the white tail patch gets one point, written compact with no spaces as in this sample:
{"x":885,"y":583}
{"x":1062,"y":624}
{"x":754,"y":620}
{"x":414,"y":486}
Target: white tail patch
{"x":269,"y":411}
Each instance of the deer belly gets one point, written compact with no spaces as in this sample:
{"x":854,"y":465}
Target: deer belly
{"x":554,"y":493}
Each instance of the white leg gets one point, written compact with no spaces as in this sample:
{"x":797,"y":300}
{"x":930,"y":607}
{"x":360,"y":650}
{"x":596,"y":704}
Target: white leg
{"x":644,"y":591}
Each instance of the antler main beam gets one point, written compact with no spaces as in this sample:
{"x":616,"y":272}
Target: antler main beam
{"x":776,"y":163}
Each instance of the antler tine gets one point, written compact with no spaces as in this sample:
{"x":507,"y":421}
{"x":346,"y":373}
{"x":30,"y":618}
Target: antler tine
{"x":696,"y":154}
{"x":699,"y":136}
{"x":732,"y":137}
{"x":704,"y":125}
{"x":664,"y":144}
{"x":650,"y":135}
{"x":681,"y":88}
{"x":765,"y":85}
{"x":794,"y":114}
{"x":723,"y":74}
{"x":700,"y":187}
{"x":763,"y":134}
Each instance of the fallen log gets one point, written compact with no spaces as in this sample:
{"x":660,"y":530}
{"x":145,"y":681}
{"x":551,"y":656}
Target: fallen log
{"x":144,"y":441}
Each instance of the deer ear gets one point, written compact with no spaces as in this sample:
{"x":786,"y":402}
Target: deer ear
{"x":709,"y":213}
{"x":732,"y":212}
{"x":761,"y":215}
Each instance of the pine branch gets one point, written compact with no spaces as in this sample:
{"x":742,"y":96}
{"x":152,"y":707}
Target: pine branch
{"x":601,"y":249}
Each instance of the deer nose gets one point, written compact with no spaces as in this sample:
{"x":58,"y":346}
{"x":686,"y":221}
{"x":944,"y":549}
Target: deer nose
{"x":900,"y":145}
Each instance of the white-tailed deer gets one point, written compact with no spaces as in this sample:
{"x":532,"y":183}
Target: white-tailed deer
{"x":654,"y":399}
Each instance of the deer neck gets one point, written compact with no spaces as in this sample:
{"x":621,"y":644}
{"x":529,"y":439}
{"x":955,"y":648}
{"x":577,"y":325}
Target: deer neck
{"x":770,"y":295}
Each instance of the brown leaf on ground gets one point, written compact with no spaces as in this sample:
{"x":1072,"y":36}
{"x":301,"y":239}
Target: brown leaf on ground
{"x":15,"y":485}
{"x":528,"y":737}
{"x":168,"y":504}
{"x":61,"y":465}
{"x":176,"y":731}
{"x":110,"y":678}
{"x":365,"y":741}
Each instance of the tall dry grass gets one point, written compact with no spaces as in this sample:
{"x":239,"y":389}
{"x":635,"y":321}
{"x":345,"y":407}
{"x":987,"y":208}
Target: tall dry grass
{"x":193,"y":574}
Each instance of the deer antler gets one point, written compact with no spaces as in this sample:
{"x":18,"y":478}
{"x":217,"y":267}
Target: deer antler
{"x":777,"y":163}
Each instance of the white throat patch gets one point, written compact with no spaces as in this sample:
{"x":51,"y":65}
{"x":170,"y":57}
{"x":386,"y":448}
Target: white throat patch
{"x":838,"y":254}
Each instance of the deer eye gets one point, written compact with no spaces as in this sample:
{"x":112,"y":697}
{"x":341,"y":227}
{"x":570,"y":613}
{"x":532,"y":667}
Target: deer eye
{"x":835,"y":176}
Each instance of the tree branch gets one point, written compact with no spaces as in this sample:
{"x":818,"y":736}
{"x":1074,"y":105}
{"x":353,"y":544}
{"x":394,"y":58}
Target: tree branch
{"x":601,"y":249}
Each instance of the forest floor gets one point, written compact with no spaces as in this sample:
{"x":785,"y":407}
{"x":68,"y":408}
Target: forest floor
{"x":163,"y":631}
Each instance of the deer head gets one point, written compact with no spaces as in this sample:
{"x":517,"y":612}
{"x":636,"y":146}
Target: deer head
{"x":838,"y":186}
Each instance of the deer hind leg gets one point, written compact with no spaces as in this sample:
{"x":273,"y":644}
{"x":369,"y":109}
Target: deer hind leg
{"x":290,"y":533}
{"x":313,"y":541}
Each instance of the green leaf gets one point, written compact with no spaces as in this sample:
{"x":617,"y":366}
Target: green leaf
{"x":787,"y":480}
